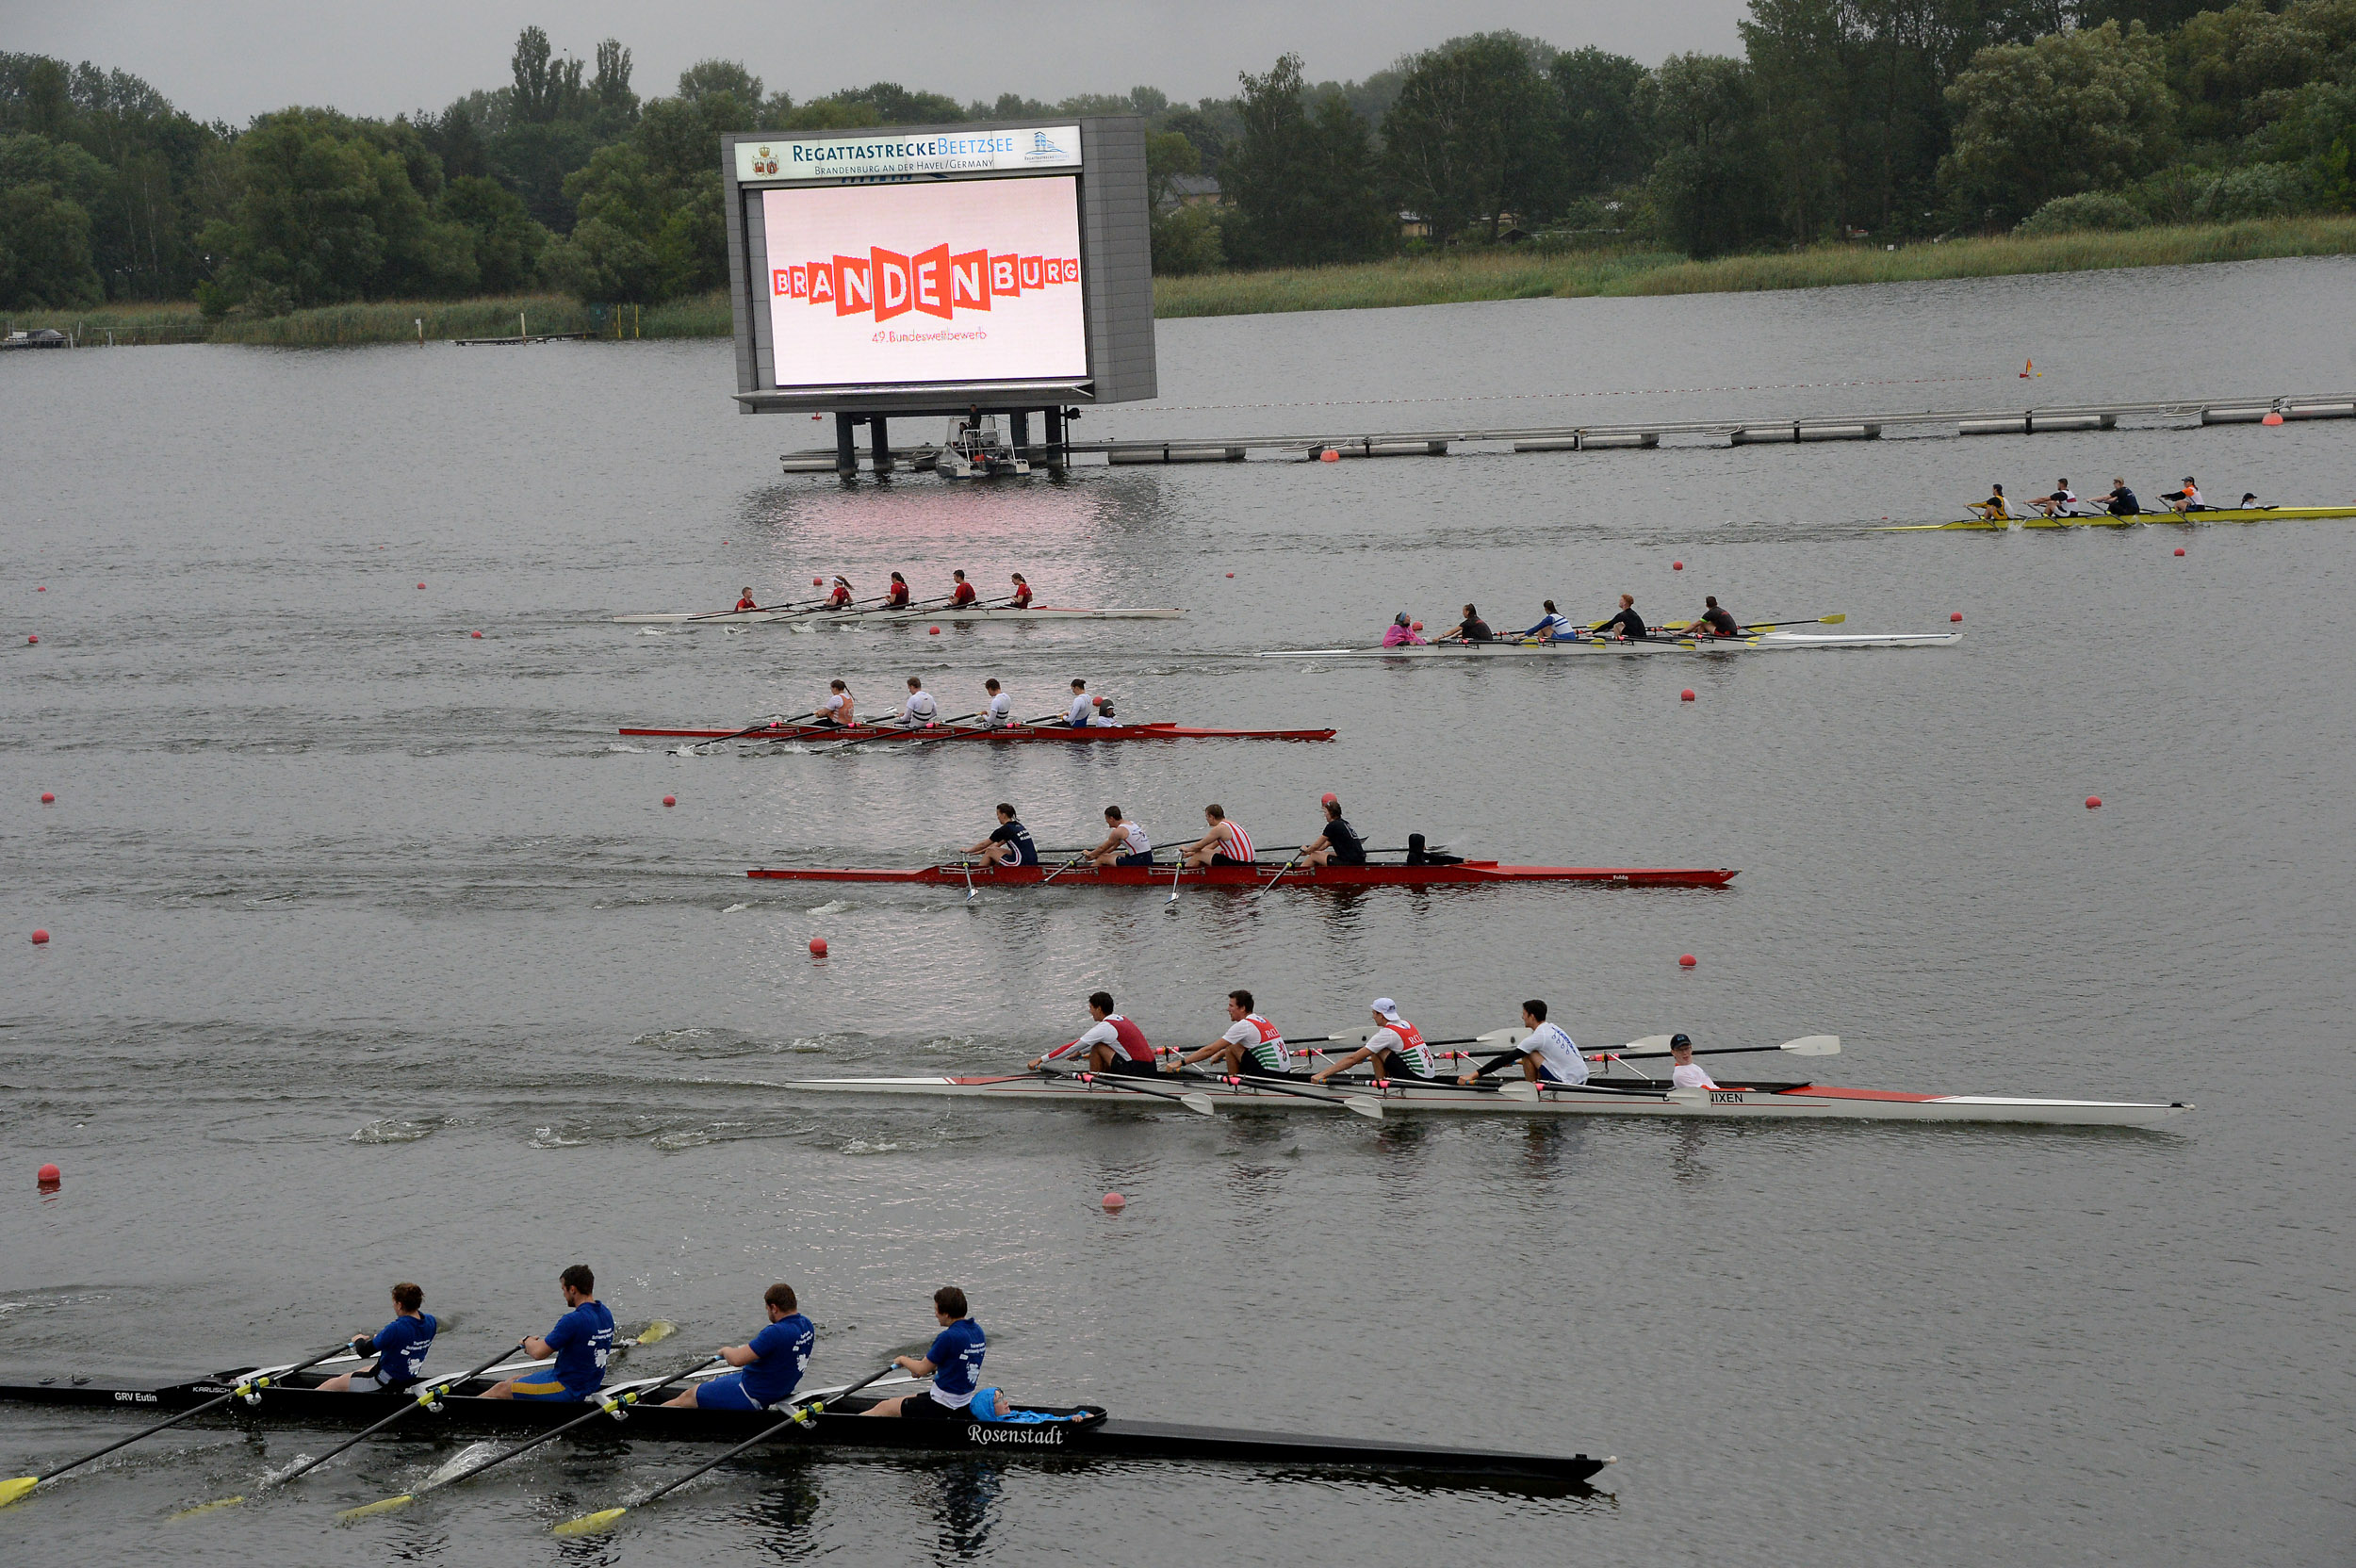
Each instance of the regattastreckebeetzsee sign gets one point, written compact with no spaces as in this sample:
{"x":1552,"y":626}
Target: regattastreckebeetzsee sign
{"x":885,"y":155}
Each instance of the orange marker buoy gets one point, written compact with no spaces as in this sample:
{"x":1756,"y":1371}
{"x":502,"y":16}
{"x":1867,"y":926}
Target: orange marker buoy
{"x":2180,"y":549}
{"x":818,"y":947}
{"x":2273,"y":416}
{"x":40,"y":939}
{"x":1955,"y":615}
{"x":1329,"y":455}
{"x":1114,"y":1201}
{"x":1688,"y":961}
{"x":1686,"y":695}
{"x":2093,"y":801}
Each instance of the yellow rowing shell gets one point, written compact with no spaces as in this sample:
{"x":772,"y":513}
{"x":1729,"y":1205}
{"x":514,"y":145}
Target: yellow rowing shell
{"x":2221,"y":515}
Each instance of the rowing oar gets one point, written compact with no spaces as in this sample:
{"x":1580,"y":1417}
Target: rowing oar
{"x":589,"y":1524}
{"x":1820,"y":620}
{"x":1806,"y":1045}
{"x":758,"y":609}
{"x":1199,"y":1104}
{"x":1513,"y":1037}
{"x":694,"y":747}
{"x":1370,"y":1109}
{"x":247,"y":1387}
{"x":1279,"y":876}
{"x":612,"y":1404}
{"x":427,"y":1397}
{"x":885,"y":734}
{"x":941,"y":730}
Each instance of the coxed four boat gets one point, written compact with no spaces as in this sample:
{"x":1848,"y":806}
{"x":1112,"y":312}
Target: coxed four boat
{"x":1002,"y":735}
{"x":899,"y":617}
{"x":980,"y":874}
{"x":1568,"y":647}
{"x":2214,"y":515}
{"x":1739,"y":1099}
{"x":1094,"y":1433}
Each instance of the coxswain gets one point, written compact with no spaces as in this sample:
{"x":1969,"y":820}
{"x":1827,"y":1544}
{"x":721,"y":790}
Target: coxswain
{"x":1009,"y":842}
{"x":1083,"y":706}
{"x":770,"y":1365}
{"x":582,"y":1341}
{"x":1548,"y":1056}
{"x":1994,"y":508}
{"x":1111,"y":1044}
{"x":747,"y":601}
{"x":896,"y":597}
{"x":399,"y":1346}
{"x":954,"y":1363}
{"x":841,"y":597}
{"x":920,"y":711}
{"x":998,"y":712}
{"x":836,"y":713}
{"x":1548,"y":627}
{"x":962,"y":594}
{"x":1225,"y":845}
{"x":1627,"y":623}
{"x":1339,"y":844}
{"x":2187,"y":500}
{"x":2249,"y":502}
{"x":1022,"y":599}
{"x":2059,"y":502}
{"x":1125,"y":844}
{"x":1251,"y":1044}
{"x":1401,"y":633}
{"x":1472,"y":629}
{"x":1684,"y":1073}
{"x":1396,"y":1048}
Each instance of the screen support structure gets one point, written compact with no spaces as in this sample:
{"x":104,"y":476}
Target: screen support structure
{"x":1052,"y":452}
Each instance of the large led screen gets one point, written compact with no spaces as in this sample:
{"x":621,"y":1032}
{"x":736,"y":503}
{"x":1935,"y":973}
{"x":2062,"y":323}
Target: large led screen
{"x":950,"y":281}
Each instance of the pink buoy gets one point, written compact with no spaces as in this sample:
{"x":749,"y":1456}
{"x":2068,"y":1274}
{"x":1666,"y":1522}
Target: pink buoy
{"x":1114,"y":1201}
{"x":818,"y":947}
{"x":670,"y":800}
{"x":1329,"y":455}
{"x":1688,"y":961}
{"x":2093,"y":802}
{"x":40,"y":939}
{"x":1686,"y":695}
{"x":2272,"y":418}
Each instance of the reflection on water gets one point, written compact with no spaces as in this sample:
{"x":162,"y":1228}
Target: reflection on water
{"x":964,"y":1503}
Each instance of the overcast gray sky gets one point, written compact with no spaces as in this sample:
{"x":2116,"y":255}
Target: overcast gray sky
{"x":230,"y":59}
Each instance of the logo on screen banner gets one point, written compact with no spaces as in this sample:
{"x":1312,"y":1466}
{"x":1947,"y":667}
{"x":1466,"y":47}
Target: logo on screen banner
{"x":938,"y":282}
{"x":1044,"y":150}
{"x":764,"y":161}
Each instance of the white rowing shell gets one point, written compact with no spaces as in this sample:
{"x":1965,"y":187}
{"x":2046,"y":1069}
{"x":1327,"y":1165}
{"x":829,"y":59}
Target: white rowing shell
{"x":1764,"y":642}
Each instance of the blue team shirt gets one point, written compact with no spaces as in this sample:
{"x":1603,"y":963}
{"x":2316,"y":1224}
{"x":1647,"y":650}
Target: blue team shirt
{"x":958,"y":1355}
{"x":582,"y":1339}
{"x":783,"y":1347}
{"x":401,"y":1347}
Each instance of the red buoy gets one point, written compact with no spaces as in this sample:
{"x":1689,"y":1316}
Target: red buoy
{"x":420,"y":584}
{"x":2180,"y":549}
{"x":48,"y":799}
{"x":933,"y":631}
{"x":2093,"y":801}
{"x":49,"y":1175}
{"x":42,"y":588}
{"x":818,"y":582}
{"x":1114,"y":1201}
{"x":1329,"y":455}
{"x":1688,"y":961}
{"x":1676,"y":565}
{"x":1686,"y":695}
{"x":818,"y":947}
{"x":475,"y":634}
{"x":2272,"y":418}
{"x":40,"y":939}
{"x":1231,"y":574}
{"x":670,"y":800}
{"x":34,"y":638}
{"x":1955,"y":615}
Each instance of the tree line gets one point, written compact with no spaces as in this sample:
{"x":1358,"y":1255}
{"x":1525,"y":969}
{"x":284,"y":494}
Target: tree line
{"x":1841,"y":120}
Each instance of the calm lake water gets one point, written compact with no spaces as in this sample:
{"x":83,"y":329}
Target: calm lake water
{"x":377,"y":956}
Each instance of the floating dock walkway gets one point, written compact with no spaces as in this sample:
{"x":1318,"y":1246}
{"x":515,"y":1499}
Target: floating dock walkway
{"x":1311,"y":446}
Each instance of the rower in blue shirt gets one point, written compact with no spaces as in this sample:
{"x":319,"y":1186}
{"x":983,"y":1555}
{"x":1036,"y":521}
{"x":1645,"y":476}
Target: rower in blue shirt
{"x":954,"y":1363}
{"x":399,"y":1346}
{"x":773,"y":1360}
{"x":1550,"y":626}
{"x":1009,"y":843}
{"x":581,"y":1342}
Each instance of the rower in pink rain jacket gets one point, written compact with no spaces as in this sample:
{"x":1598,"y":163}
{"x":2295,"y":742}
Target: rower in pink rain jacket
{"x":1399,"y":634}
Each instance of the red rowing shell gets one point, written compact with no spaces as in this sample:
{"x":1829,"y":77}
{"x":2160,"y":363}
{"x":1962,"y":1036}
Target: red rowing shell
{"x":1467,"y":872}
{"x":1013,"y":732}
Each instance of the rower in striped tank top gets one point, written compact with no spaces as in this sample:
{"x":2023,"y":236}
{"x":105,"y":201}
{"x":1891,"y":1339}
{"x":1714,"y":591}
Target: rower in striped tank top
{"x":1225,"y":845}
{"x":1252,"y":1045}
{"x":1396,"y":1048}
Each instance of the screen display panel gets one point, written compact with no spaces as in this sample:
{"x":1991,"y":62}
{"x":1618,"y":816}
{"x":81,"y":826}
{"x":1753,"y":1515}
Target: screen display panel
{"x":951,"y":281}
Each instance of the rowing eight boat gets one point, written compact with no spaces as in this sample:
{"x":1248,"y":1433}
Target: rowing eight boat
{"x":1387,"y":874}
{"x":1766,"y":641}
{"x":1094,"y":1433}
{"x":974,"y":732}
{"x":1740,"y":1101}
{"x":896,"y":617}
{"x":2218,"y":515}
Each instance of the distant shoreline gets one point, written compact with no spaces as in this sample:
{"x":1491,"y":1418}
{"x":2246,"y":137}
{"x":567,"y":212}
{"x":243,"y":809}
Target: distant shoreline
{"x":1520,"y":273}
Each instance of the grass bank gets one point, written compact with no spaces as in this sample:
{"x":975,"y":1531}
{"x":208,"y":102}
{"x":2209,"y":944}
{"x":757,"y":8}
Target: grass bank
{"x":389,"y":321}
{"x":1518,"y":274}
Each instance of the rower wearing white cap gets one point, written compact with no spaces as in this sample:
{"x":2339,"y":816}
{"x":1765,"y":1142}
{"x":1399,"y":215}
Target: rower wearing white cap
{"x":1547,"y":1053}
{"x":1396,"y":1049}
{"x":1683,"y":1070}
{"x":920,"y":711}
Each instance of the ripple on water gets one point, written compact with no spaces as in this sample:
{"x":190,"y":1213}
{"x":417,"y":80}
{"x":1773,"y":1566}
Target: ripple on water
{"x":391,"y":1129}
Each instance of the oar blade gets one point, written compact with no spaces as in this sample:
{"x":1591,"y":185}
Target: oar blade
{"x":1813,"y":1045}
{"x":1370,"y":1109}
{"x":656,"y":1332}
{"x":1502,"y":1036}
{"x":1519,"y":1088}
{"x":383,"y":1505}
{"x":11,"y":1490}
{"x":1650,"y":1042}
{"x":1199,"y":1104}
{"x":1830,"y":620}
{"x":589,"y":1524}
{"x":213,"y":1507}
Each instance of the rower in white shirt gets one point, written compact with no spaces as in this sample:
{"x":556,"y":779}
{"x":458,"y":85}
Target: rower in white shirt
{"x":998,"y":712}
{"x":1685,"y":1073}
{"x":1251,"y":1044}
{"x":1125,"y":844}
{"x":920,"y":711}
{"x":1396,"y":1049}
{"x":837,"y":710}
{"x":1547,"y":1053}
{"x":1083,"y":706}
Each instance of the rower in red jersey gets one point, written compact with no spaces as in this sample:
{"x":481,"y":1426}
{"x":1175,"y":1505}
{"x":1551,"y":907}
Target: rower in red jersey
{"x":1022,"y":593}
{"x":899,"y":599}
{"x":747,"y":601}
{"x":841,"y":597}
{"x":963,"y":593}
{"x":1112,"y":1044}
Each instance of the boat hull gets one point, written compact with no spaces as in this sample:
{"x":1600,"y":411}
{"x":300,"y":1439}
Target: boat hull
{"x":303,"y":1407}
{"x":895,"y":618}
{"x":953,"y":875}
{"x":2218,"y":515}
{"x":1011,"y":734}
{"x":1736,"y":1102}
{"x":1770,"y":642}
